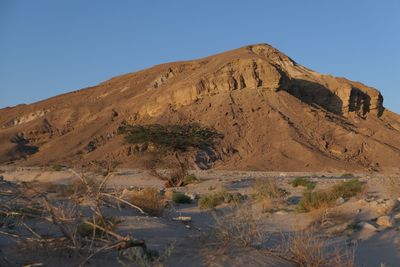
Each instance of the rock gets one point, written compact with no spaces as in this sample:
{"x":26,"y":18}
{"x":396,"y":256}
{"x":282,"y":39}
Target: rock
{"x":385,"y":221}
{"x":383,"y":206}
{"x":184,"y":219}
{"x":366,"y":226}
{"x":281,"y":212}
{"x":362,"y":202}
{"x":1,"y":178}
{"x":340,"y":201}
{"x":397,"y":216}
{"x":193,"y":196}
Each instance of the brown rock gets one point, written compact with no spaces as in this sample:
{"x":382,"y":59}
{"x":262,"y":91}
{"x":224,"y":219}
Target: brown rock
{"x":274,"y":113}
{"x":385,"y":221}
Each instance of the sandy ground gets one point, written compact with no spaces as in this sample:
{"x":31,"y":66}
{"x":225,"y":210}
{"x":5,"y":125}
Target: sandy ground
{"x":375,"y":245}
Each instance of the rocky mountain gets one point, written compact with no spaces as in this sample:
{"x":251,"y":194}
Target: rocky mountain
{"x":274,"y":113}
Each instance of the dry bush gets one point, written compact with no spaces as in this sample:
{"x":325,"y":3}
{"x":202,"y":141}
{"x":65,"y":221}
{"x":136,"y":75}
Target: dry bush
{"x":309,"y":249}
{"x":269,"y":193}
{"x":148,"y":199}
{"x":268,"y":188}
{"x":212,"y":200}
{"x":69,"y":224}
{"x":237,"y":227}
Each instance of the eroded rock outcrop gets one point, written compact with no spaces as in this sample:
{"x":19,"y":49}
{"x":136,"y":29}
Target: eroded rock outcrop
{"x":275,"y":114}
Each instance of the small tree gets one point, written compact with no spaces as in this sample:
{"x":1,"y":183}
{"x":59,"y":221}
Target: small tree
{"x":173,"y":139}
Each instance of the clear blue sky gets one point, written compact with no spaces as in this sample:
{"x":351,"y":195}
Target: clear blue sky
{"x":48,"y":47}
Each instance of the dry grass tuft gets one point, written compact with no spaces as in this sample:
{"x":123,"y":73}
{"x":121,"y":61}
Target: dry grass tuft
{"x":268,"y":188}
{"x":75,"y":224}
{"x":309,"y":249}
{"x":212,"y":200}
{"x":269,"y":193}
{"x":238,"y":227}
{"x":149,"y":199}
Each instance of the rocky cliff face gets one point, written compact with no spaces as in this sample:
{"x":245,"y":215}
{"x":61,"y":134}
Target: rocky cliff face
{"x":275,"y":114}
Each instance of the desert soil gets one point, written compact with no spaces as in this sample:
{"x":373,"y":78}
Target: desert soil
{"x":191,"y":244}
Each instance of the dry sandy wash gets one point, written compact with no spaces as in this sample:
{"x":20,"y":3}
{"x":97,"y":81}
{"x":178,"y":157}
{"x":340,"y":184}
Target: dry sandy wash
{"x":61,"y":217}
{"x":275,"y":114}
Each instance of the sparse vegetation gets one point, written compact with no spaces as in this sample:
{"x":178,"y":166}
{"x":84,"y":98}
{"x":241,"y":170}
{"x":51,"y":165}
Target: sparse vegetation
{"x":190,"y":179}
{"x":179,"y":197}
{"x":173,"y":139}
{"x":308,"y":248}
{"x":268,"y":188}
{"x":148,"y":199}
{"x":107,"y":223}
{"x":210,"y":201}
{"x":238,"y":227}
{"x":303,"y":181}
{"x":323,"y":199}
{"x":76,"y":228}
{"x":348,"y":189}
{"x":347,"y":175}
{"x":316,"y":200}
{"x":170,"y":137}
{"x":57,"y":167}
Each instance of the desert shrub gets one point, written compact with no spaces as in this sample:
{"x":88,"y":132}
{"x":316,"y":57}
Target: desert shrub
{"x":149,"y":199}
{"x":210,"y":201}
{"x":57,"y":167}
{"x":308,"y":248}
{"x":323,"y":199}
{"x":190,"y":179}
{"x":303,"y":181}
{"x":347,"y":175}
{"x":237,"y":227}
{"x":179,"y":177}
{"x":170,"y":137}
{"x":106,"y":222}
{"x":268,"y":188}
{"x":77,"y":187}
{"x":179,"y":197}
{"x":316,"y":200}
{"x":348,"y":189}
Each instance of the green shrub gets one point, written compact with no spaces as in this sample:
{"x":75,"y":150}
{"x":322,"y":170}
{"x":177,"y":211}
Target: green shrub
{"x":108,"y":223}
{"x":268,"y":188}
{"x":316,"y":200}
{"x":303,"y":181}
{"x":210,"y":201}
{"x":190,"y":179}
{"x":57,"y":167}
{"x":179,"y":197}
{"x":348,"y":189}
{"x":347,"y":175}
{"x":322,"y":199}
{"x":170,"y":137}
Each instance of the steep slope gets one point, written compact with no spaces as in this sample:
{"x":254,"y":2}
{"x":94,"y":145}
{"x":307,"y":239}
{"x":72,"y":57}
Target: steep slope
{"x":275,"y":115}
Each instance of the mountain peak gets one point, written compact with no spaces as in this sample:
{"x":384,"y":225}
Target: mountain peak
{"x":275,"y":114}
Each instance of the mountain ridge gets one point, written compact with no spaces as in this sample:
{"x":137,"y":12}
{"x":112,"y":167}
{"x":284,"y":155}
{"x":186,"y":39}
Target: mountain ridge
{"x":306,"y":121}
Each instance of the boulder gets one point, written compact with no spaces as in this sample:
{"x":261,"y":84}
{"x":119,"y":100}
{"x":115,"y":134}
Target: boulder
{"x":385,"y":221}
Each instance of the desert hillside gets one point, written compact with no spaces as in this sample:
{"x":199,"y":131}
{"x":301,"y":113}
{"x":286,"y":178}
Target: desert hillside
{"x":275,"y":115}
